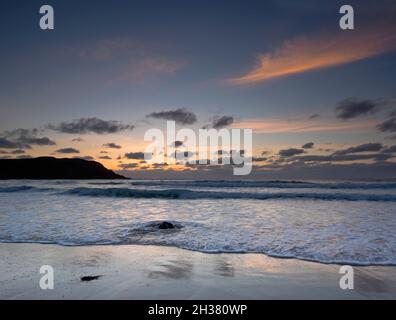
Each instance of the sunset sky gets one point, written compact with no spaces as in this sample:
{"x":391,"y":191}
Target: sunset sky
{"x":321,"y":101}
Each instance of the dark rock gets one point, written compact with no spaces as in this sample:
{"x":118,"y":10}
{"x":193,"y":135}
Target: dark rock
{"x":166,"y":225}
{"x":90,"y":278}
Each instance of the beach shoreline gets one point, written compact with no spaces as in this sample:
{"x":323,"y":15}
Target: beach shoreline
{"x":158,"y":272}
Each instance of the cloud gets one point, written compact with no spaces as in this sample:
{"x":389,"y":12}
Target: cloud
{"x":112,"y":145}
{"x":342,"y":157}
{"x":388,"y":125}
{"x":290,"y":152}
{"x":352,"y":108}
{"x":308,"y":145}
{"x":137,"y":62}
{"x":295,"y":171}
{"x":320,"y":51}
{"x":105,"y":157}
{"x":67,"y":150}
{"x":303,"y":125}
{"x":24,"y":138}
{"x":142,"y":70}
{"x":90,"y":125}
{"x":314,"y":116}
{"x":222,"y":122}
{"x":127,"y":166}
{"x":88,"y":158}
{"x":177,"y":143}
{"x":181,"y":155}
{"x":18,"y":151}
{"x":367,"y":147}
{"x":7,"y":144}
{"x":181,"y":116}
{"x":43,"y":141}
{"x":135,"y":155}
{"x":259,"y":159}
{"x":367,"y":151}
{"x":78,"y":139}
{"x":377,"y":170}
{"x":391,"y":149}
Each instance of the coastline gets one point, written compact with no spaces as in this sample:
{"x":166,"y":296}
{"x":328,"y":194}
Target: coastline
{"x":156,"y":272}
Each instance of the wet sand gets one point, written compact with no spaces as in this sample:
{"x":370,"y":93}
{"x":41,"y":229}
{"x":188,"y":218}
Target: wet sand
{"x":152,"y":272}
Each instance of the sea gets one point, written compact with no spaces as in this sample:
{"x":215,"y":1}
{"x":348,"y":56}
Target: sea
{"x":340,"y":222}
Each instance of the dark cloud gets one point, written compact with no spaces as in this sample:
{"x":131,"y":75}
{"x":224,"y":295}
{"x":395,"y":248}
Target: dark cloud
{"x":259,"y":159}
{"x":24,"y":138}
{"x":290,"y":152}
{"x":91,"y":125}
{"x":182,"y":155}
{"x":7,"y":144}
{"x":159,"y":165}
{"x":127,"y":166}
{"x":67,"y":150}
{"x":43,"y":141}
{"x":221,"y":152}
{"x":181,"y":116}
{"x":18,"y":151}
{"x":314,"y":116}
{"x":105,"y":158}
{"x":177,"y":143}
{"x":342,"y":157}
{"x":391,"y":149}
{"x":367,"y":147}
{"x":388,"y":125}
{"x":377,"y":170}
{"x":24,"y":157}
{"x":352,"y":108}
{"x":295,"y":171}
{"x":237,"y":153}
{"x":136,"y":155}
{"x":88,"y":158}
{"x":103,"y":152}
{"x":308,"y":145}
{"x":112,"y":145}
{"x":78,"y":139}
{"x":222,"y":122}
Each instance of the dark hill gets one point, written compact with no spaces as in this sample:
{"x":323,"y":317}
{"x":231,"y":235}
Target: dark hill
{"x":53,"y":168}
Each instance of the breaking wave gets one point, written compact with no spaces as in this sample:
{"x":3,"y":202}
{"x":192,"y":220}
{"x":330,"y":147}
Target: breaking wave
{"x":192,"y":195}
{"x":22,"y":188}
{"x":282,"y":184}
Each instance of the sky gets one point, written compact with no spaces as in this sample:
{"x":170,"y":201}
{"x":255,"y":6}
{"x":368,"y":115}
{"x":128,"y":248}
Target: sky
{"x":321,"y":100}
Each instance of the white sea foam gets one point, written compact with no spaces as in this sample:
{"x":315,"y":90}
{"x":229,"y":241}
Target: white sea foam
{"x":350,"y":225}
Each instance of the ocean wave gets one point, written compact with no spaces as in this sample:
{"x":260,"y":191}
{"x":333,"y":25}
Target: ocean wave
{"x":193,"y":195}
{"x":281,"y":184}
{"x":106,"y":183}
{"x":16,"y":189}
{"x":271,"y":253}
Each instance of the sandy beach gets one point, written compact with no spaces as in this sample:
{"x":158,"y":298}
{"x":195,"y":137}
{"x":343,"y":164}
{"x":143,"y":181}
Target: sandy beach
{"x":153,"y":272}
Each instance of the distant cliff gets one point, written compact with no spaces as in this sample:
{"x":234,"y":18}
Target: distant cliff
{"x":53,"y":168}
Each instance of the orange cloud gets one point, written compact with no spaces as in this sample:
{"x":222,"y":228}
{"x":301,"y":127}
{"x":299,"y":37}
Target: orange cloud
{"x":324,"y":51}
{"x":296,"y":126}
